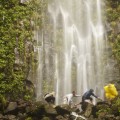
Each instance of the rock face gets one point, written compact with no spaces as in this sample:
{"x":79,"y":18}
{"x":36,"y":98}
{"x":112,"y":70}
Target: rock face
{"x":41,"y":110}
{"x":12,"y":106}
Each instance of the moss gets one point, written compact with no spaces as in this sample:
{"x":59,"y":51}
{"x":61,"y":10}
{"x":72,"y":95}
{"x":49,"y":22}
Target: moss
{"x":16,"y":31}
{"x":29,"y":118}
{"x":113,"y":17}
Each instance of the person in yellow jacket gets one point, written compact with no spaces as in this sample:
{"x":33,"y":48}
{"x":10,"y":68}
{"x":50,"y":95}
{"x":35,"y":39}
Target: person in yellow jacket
{"x":110,"y":92}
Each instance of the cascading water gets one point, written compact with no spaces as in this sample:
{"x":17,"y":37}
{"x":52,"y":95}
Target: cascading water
{"x":79,"y":43}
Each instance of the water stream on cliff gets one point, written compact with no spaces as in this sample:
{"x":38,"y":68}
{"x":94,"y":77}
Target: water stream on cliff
{"x":78,"y":40}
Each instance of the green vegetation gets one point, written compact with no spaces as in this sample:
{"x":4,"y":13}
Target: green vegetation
{"x":17,"y":21}
{"x":113,"y":17}
{"x":15,"y":31}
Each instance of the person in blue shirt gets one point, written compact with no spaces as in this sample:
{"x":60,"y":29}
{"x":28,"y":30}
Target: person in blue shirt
{"x":87,"y":96}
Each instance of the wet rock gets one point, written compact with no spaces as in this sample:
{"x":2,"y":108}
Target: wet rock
{"x":63,"y":109}
{"x":59,"y":117}
{"x":118,"y":118}
{"x":12,"y":108}
{"x":49,"y":110}
{"x":66,"y":116}
{"x":41,"y":110}
{"x":12,"y":117}
{"x":45,"y":118}
{"x":22,"y":116}
{"x":110,"y":117}
{"x":101,"y":109}
{"x":9,"y":117}
{"x":37,"y":109}
{"x":1,"y":116}
{"x":22,"y":107}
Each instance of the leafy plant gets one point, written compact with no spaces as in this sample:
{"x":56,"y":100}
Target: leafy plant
{"x":16,"y":34}
{"x":113,"y":17}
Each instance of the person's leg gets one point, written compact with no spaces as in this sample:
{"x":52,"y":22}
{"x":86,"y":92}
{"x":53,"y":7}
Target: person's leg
{"x":83,"y":99}
{"x":91,"y":100}
{"x":83,"y":104}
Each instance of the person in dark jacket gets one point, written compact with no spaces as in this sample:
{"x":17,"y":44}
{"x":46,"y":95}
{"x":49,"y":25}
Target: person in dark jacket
{"x":87,"y":95}
{"x":86,"y":98}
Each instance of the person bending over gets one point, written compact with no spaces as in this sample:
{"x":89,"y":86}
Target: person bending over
{"x":68,"y":98}
{"x":50,"y":97}
{"x":87,"y":96}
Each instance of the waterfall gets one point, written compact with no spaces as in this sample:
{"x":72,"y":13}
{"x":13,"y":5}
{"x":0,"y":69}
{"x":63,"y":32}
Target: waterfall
{"x":78,"y":40}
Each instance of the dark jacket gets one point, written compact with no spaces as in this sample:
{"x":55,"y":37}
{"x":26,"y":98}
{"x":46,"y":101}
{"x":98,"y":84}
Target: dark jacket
{"x":88,"y":94}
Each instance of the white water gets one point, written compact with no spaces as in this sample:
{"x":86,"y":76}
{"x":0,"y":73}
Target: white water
{"x":79,"y":42}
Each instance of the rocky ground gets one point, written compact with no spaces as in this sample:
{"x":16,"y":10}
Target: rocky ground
{"x":41,"y":110}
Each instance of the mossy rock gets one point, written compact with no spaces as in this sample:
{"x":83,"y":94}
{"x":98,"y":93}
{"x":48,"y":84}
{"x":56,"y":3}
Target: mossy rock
{"x":45,"y":118}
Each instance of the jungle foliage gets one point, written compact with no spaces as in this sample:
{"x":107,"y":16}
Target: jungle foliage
{"x":113,"y":17}
{"x":17,"y":21}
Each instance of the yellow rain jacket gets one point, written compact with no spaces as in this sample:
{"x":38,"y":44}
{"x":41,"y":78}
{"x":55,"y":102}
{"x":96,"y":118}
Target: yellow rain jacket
{"x":110,"y":91}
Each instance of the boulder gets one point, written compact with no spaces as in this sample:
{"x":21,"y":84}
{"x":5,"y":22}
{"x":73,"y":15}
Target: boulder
{"x":1,"y":116}
{"x":50,"y":110}
{"x":45,"y":118}
{"x":11,"y":117}
{"x":59,"y":117}
{"x":22,"y":116}
{"x":63,"y":109}
{"x":11,"y":108}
